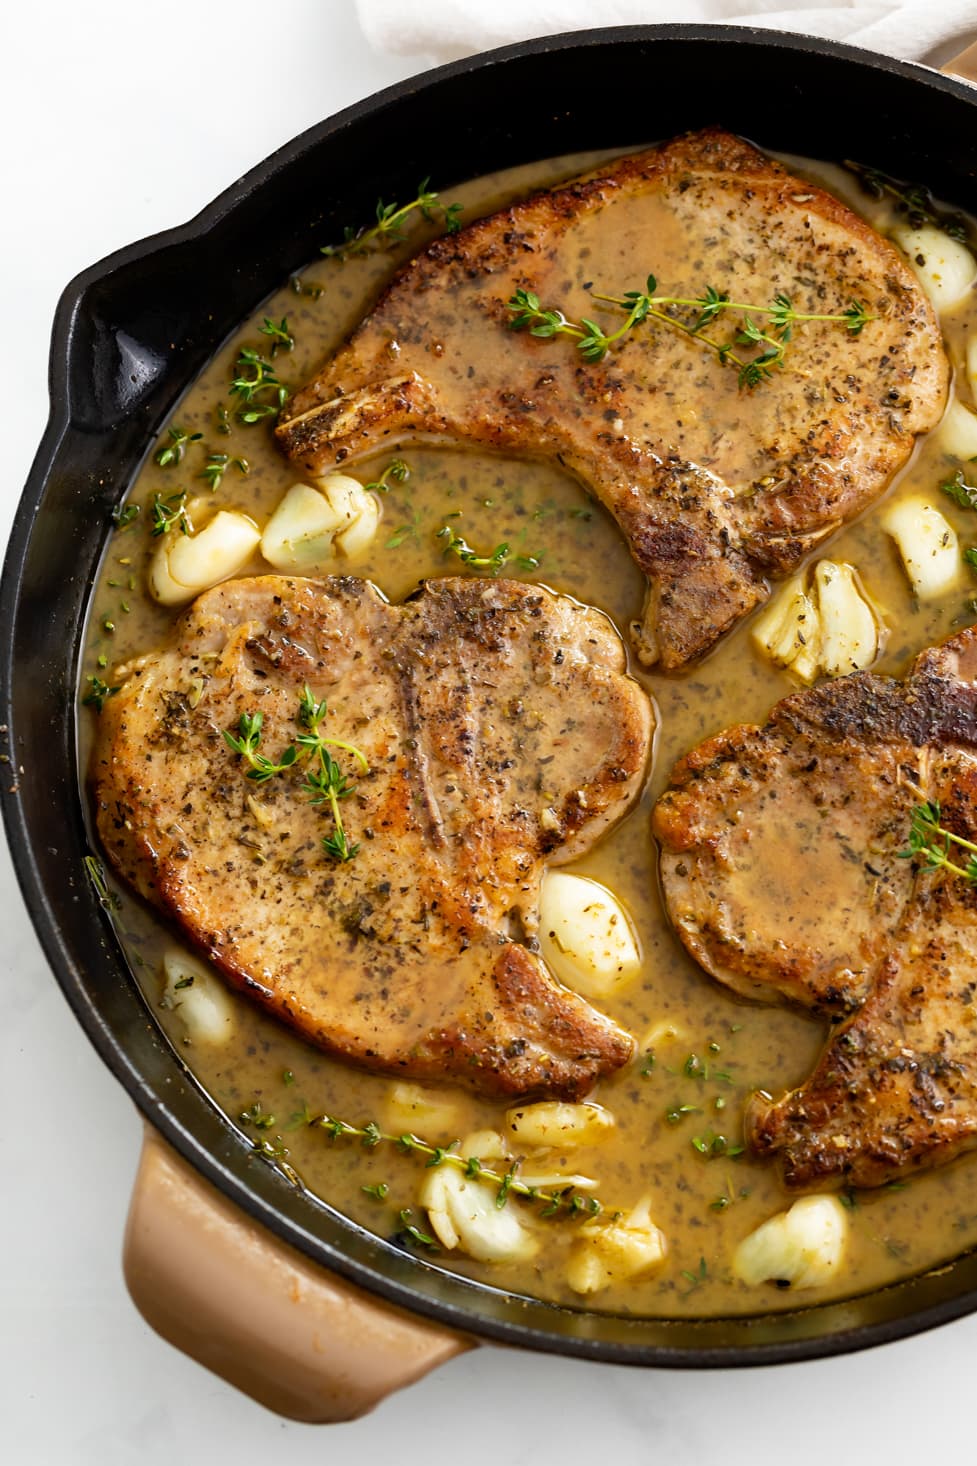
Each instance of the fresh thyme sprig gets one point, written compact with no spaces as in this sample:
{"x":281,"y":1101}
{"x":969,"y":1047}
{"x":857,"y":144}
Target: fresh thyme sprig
{"x":507,"y":1182}
{"x":217,"y":465}
{"x":174,"y":451}
{"x":389,"y":221}
{"x":169,"y":512}
{"x":397,"y":470}
{"x":593,"y":342}
{"x":324,"y":783}
{"x":255,"y":378}
{"x":281,"y":337}
{"x":493,"y":562}
{"x":911,"y":199}
{"x":245,"y":742}
{"x":931,"y":840}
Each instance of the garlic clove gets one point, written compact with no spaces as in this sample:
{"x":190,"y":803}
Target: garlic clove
{"x":616,"y":1251}
{"x":927,"y":544}
{"x":410,"y":1107}
{"x":957,"y":433}
{"x":196,"y":994}
{"x":554,"y":1123}
{"x":945,"y":267}
{"x":586,"y":937}
{"x":300,"y":533}
{"x":464,"y":1214}
{"x":803,"y":1247}
{"x":789,"y":631}
{"x":185,"y":565}
{"x":849,"y":630}
{"x":357,"y":539}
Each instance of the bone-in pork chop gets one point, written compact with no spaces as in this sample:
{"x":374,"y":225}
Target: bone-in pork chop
{"x":500,"y":732}
{"x":782,"y":871}
{"x":714,"y":485}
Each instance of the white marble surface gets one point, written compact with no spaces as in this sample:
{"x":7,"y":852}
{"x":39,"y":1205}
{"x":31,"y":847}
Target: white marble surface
{"x":120,"y":119}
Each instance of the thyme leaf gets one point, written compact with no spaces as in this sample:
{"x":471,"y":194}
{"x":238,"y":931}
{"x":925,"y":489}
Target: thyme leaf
{"x":124,"y":514}
{"x":960,"y":491}
{"x":302,"y":287}
{"x":279,"y":334}
{"x":424,"y":1239}
{"x":98,"y":693}
{"x":217,"y":465}
{"x":172,"y":453}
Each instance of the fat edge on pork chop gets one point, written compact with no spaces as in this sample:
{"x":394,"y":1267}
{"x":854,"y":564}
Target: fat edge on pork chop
{"x":499,"y":731}
{"x":784,"y":871}
{"x":715,"y":487}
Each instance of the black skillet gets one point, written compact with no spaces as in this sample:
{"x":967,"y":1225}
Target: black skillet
{"x":132,"y":331}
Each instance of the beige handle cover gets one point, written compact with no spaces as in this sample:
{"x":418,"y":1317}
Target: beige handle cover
{"x":963,"y":66}
{"x":221,"y":1288}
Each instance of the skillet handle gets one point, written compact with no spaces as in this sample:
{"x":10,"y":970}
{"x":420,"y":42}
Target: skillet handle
{"x":963,"y":66}
{"x":222,"y":1289}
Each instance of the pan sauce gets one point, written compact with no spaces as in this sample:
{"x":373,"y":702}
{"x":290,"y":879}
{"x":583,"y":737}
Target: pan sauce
{"x":704,"y":1206}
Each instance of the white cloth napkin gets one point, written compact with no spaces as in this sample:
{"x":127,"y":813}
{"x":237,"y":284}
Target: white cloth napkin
{"x":924,"y":30}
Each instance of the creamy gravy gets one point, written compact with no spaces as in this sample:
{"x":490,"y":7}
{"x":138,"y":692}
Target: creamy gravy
{"x":705,"y":1206}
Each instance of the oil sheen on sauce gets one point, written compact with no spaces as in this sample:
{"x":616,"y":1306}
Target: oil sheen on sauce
{"x":701,"y":1051}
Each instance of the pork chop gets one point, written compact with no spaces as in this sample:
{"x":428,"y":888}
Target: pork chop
{"x":715,"y":486}
{"x":500,"y":732}
{"x":784,"y":873}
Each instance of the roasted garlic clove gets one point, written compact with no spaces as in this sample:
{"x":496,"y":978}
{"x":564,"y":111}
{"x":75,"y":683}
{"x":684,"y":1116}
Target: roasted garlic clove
{"x":803,"y":1247}
{"x":314,"y":524}
{"x":586,"y":938}
{"x":558,"y":1125}
{"x":957,"y":432}
{"x":410,"y":1107}
{"x":464,"y":1213}
{"x":186,"y":564}
{"x":616,"y":1251}
{"x":849,"y":630}
{"x":829,"y":627}
{"x":789,"y":631}
{"x":927,"y":544}
{"x":198,"y":997}
{"x":945,"y":268}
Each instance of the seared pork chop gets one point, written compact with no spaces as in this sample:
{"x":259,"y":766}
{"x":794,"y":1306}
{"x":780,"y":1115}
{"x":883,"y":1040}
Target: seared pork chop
{"x":715,"y":486}
{"x":500,"y":732}
{"x":783,"y":871}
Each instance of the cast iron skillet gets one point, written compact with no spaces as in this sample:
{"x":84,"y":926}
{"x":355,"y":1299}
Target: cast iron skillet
{"x":132,"y":331}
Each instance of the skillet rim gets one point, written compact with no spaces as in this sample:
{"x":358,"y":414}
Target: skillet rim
{"x":229,"y":1167}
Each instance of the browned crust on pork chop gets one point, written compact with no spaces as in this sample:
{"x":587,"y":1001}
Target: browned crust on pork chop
{"x":715,"y":487}
{"x":783,"y":871}
{"x":501,"y":733}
